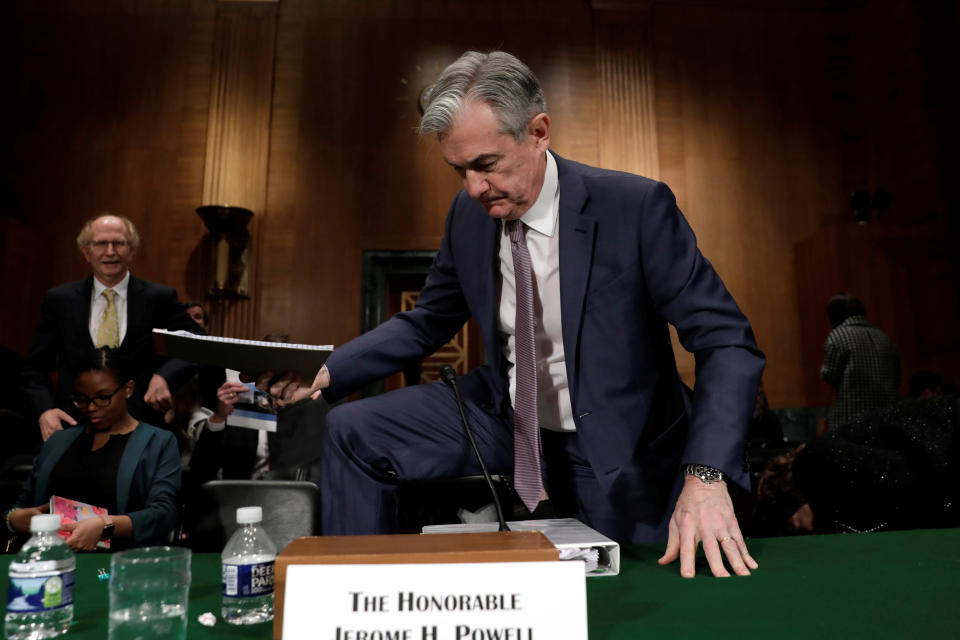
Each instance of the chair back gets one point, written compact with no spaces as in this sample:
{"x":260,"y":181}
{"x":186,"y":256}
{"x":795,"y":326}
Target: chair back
{"x":291,"y":509}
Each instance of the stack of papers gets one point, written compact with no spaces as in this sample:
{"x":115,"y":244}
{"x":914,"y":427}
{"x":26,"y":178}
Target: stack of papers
{"x":249,"y":356}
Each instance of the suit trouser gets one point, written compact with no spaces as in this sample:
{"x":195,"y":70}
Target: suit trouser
{"x":415,"y":433}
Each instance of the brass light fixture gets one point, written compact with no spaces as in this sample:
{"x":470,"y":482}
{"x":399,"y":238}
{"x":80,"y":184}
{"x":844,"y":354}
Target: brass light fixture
{"x":228,"y":245}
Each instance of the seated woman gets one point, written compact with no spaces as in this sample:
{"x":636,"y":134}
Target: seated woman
{"x":130,"y":468}
{"x":886,"y":469}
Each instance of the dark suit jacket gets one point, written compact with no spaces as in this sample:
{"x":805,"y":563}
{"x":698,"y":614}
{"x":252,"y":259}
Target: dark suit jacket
{"x":63,"y":340}
{"x":886,"y":469}
{"x":148,"y":480}
{"x":629,"y":264}
{"x":233,"y":450}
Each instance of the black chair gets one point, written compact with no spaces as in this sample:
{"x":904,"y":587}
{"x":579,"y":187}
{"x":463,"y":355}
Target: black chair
{"x":291,"y":509}
{"x":309,"y":472}
{"x":14,"y":472}
{"x":429,"y":502}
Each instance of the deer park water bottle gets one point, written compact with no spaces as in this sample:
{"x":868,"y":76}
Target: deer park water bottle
{"x":40,"y":600}
{"x":248,"y":571}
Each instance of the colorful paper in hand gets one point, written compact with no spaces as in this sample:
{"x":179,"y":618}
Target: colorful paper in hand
{"x":74,"y":511}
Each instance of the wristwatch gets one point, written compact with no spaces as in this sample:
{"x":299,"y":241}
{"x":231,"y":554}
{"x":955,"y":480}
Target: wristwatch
{"x":705,"y":473}
{"x":108,"y":527}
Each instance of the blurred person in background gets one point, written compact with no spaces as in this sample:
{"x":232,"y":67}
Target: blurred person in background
{"x":886,"y":469}
{"x":859,"y":361}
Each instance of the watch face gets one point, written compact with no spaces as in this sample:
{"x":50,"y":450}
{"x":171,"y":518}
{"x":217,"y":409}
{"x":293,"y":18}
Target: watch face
{"x":107,"y":531}
{"x":705,"y":473}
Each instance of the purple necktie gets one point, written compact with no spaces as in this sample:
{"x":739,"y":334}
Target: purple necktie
{"x":526,"y":429}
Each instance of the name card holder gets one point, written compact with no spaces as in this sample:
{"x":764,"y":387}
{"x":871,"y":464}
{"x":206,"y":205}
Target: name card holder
{"x":506,"y":546}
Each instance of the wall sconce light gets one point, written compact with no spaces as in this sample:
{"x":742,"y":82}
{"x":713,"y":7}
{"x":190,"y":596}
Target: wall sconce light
{"x":228,"y":245}
{"x":424,"y":97}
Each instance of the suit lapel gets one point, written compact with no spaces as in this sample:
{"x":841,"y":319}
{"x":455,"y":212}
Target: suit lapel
{"x":57,"y":446}
{"x":577,"y":232}
{"x":128,"y":465}
{"x":135,"y":306}
{"x":84,"y":291}
{"x":487,"y":321}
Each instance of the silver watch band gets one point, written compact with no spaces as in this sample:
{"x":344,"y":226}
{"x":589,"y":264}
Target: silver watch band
{"x":705,"y":473}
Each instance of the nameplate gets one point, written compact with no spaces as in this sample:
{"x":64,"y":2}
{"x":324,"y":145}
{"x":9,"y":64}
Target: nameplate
{"x":463,"y":601}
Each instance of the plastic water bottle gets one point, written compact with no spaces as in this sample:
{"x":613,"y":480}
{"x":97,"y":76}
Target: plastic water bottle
{"x":40,"y":600}
{"x":248,"y":571}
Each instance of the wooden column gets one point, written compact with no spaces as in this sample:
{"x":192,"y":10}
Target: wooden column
{"x":628,"y":121}
{"x":238,"y":134}
{"x":628,"y":118}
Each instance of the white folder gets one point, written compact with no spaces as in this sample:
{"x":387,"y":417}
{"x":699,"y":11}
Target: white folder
{"x":574,"y":540}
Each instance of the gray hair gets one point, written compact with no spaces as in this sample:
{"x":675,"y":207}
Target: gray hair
{"x":497,"y":79}
{"x":86,"y":233}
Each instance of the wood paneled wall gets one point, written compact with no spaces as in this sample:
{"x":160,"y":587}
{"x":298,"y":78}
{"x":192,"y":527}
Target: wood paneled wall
{"x":107,"y":112}
{"x":347,"y":170}
{"x":761,"y":120}
{"x":238,"y":137}
{"x":748,"y":131}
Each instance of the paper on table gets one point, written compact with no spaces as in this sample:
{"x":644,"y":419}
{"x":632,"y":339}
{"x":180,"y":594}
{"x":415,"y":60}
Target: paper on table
{"x":590,"y":557}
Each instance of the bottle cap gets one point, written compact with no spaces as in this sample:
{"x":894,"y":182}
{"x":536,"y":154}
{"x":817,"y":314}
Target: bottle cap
{"x":249,"y":515}
{"x":45,"y":522}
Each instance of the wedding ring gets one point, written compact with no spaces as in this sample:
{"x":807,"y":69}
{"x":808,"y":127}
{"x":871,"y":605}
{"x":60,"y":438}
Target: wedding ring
{"x":725,"y":538}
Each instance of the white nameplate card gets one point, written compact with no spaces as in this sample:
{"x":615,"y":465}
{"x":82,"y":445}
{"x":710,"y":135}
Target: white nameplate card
{"x":464,"y":601}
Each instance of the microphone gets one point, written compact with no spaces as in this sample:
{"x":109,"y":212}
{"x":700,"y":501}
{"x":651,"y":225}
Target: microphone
{"x":449,"y":377}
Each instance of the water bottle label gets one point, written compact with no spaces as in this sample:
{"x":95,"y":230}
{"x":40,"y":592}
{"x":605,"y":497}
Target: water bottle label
{"x":43,"y":593}
{"x":248,"y":580}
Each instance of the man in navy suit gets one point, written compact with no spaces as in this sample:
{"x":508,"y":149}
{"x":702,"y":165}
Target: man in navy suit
{"x":72,"y":324}
{"x":625,"y":446}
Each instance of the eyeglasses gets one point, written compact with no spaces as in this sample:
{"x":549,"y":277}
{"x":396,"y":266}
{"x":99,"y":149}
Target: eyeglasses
{"x":82,"y":402}
{"x":101,"y":245}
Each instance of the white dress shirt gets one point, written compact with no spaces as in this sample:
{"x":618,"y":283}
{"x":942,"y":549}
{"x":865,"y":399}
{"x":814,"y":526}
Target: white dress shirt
{"x":98,"y":303}
{"x":553,"y":395}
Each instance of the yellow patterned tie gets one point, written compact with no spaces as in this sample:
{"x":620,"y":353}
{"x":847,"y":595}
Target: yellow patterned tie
{"x":108,"y":335}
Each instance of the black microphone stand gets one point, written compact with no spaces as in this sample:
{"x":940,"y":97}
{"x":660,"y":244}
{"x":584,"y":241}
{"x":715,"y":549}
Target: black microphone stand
{"x":449,"y":377}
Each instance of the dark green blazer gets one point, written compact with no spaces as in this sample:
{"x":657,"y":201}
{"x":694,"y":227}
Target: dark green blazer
{"x":148,"y":481}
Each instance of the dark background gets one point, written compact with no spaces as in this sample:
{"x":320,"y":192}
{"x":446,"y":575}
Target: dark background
{"x":762,"y":116}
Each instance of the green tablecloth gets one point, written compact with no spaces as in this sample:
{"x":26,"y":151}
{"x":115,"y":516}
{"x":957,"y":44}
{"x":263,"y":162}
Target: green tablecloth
{"x":879,"y":585}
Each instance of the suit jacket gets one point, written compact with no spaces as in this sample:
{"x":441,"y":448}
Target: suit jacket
{"x":63,"y":341}
{"x":889,"y":468}
{"x":148,"y":480}
{"x":233,"y":450}
{"x":629,"y":265}
{"x":863,"y":364}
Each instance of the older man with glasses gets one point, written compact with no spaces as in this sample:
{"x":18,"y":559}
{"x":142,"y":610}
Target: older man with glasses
{"x":111,"y":308}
